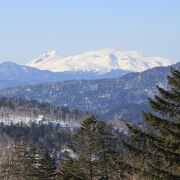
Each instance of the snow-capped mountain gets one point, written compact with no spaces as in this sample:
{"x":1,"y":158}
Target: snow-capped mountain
{"x":99,"y":61}
{"x":99,"y":64}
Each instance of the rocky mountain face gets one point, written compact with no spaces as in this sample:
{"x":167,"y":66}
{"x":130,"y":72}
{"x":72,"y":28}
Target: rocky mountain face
{"x":117,"y":98}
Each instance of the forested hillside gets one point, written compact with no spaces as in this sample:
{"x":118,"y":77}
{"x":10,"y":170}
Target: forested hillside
{"x":119,"y":98}
{"x":14,"y":110}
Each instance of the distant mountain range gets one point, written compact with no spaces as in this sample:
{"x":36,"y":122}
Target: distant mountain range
{"x":13,"y":75}
{"x":110,"y":83}
{"x":116,"y":98}
{"x":99,"y":61}
{"x":98,"y":64}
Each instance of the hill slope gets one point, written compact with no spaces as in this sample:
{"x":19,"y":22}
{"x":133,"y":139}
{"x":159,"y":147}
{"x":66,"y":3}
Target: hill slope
{"x":17,"y":110}
{"x":119,"y":98}
{"x":13,"y":75}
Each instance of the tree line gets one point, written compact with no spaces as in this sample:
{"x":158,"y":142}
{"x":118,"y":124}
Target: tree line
{"x":32,"y":108}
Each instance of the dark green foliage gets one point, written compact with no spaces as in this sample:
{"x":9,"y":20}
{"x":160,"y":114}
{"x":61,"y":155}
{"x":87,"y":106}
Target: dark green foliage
{"x":42,"y":136}
{"x":23,"y":163}
{"x":47,"y":167}
{"x":94,"y":153}
{"x":27,"y":163}
{"x":158,"y":148}
{"x":31,"y":108}
{"x":84,"y":150}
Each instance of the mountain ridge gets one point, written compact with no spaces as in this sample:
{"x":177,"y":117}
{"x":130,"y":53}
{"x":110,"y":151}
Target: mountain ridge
{"x":99,"y":61}
{"x":12,"y":75}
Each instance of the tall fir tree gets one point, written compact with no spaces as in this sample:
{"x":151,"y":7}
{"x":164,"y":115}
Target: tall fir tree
{"x":23,"y":164}
{"x":33,"y":160}
{"x":93,"y":154}
{"x":109,"y":156}
{"x":81,"y":162}
{"x":47,"y":167}
{"x":158,"y":148}
{"x":6,"y":166}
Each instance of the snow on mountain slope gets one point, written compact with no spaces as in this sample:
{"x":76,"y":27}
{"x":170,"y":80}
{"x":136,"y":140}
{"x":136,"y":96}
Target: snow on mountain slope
{"x":99,"y":61}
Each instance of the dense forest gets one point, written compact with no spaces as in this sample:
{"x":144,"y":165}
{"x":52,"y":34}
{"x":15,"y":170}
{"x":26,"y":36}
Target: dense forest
{"x":14,"y":109}
{"x":96,"y":150}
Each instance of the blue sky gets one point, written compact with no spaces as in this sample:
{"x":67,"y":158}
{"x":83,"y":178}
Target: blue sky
{"x":29,"y":28}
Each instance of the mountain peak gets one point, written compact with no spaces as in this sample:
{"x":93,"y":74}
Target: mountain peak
{"x":48,"y":56}
{"x":8,"y":64}
{"x":101,"y":61}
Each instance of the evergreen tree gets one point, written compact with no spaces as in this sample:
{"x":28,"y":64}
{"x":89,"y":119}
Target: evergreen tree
{"x":23,"y":163}
{"x":33,"y":160}
{"x":81,"y":163}
{"x":5,"y":169}
{"x":93,"y":154}
{"x":47,"y":167}
{"x":158,"y":148}
{"x":109,"y":153}
{"x":20,"y":164}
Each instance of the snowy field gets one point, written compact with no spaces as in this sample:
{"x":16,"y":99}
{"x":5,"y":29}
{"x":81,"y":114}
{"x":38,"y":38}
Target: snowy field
{"x":15,"y":119}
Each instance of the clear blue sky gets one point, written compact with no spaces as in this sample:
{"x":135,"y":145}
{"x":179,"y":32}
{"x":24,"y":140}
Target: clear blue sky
{"x":31,"y":27}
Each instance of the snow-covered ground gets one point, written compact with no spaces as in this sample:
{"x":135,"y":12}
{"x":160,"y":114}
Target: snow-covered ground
{"x":64,"y":124}
{"x":15,"y":119}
